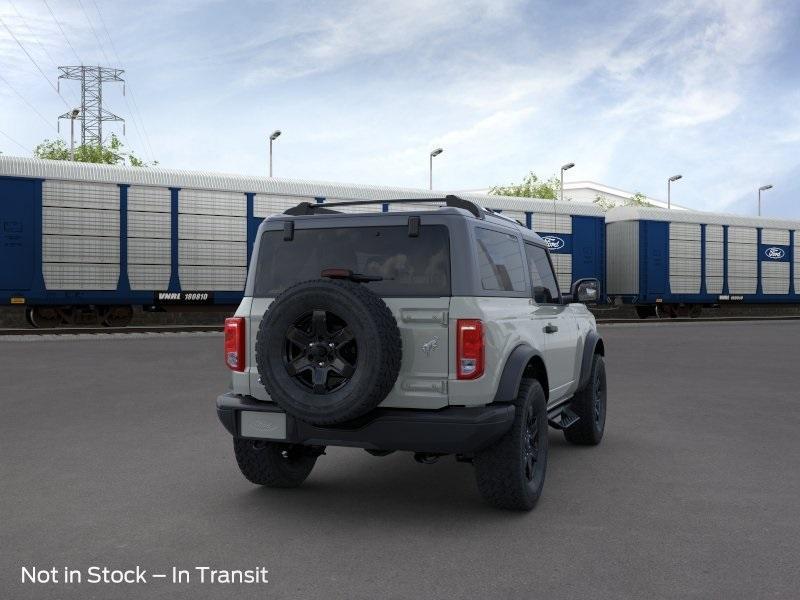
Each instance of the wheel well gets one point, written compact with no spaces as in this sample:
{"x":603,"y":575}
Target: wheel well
{"x":535,"y":369}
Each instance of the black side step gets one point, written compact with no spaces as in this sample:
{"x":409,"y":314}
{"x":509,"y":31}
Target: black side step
{"x":563,"y":419}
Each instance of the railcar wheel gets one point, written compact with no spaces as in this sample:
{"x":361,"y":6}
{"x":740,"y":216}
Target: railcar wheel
{"x":45,"y":316}
{"x":117,"y":316}
{"x":665,"y":311}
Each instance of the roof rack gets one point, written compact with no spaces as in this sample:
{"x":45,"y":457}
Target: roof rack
{"x":307,"y":208}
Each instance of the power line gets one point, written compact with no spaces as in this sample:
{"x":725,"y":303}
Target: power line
{"x":35,"y":64}
{"x":33,"y":35}
{"x":32,"y":107}
{"x":103,"y":51}
{"x":61,"y":29}
{"x":96,"y":37}
{"x":146,"y":138}
{"x":15,"y":141}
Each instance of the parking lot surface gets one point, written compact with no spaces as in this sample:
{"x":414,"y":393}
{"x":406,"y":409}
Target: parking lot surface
{"x":112,"y":455}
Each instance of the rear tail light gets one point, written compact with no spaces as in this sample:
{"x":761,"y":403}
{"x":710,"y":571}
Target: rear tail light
{"x":234,"y":343}
{"x":469,"y":348}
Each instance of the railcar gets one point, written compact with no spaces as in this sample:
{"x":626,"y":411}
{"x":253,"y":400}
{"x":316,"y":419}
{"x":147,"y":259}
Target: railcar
{"x":674,"y":263}
{"x":86,"y":243}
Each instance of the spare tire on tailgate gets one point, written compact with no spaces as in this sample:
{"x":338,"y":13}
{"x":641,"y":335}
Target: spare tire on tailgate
{"x":328,"y":351}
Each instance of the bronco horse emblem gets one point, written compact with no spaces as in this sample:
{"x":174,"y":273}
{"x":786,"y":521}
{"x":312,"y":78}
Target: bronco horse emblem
{"x":430,"y":345}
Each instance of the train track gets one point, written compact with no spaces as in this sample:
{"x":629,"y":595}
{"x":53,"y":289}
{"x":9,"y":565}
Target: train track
{"x":697,"y":320}
{"x":195,"y":328}
{"x":109,"y":330}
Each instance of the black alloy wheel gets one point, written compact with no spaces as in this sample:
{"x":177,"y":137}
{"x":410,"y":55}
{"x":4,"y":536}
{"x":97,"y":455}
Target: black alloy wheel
{"x":321,"y":352}
{"x":530,"y":446}
{"x":599,"y":400}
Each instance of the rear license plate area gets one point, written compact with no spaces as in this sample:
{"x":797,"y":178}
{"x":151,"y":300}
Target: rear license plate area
{"x":263,"y":425}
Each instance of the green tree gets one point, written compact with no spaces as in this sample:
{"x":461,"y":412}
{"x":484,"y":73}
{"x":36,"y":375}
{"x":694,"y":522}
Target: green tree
{"x":638,"y":199}
{"x":531,"y":187}
{"x":112,"y":153}
{"x":606,"y":203}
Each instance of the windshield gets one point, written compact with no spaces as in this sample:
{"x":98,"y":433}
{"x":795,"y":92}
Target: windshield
{"x":409,"y":266}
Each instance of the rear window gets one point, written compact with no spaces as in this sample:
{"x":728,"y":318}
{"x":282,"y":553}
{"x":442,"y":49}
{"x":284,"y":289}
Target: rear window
{"x":410,"y":266}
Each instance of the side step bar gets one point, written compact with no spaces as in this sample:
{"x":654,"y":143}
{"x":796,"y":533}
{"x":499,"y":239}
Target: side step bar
{"x":561,"y":416}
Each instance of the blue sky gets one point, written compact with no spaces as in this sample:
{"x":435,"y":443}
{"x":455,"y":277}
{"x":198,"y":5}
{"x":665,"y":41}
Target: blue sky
{"x":632,"y":92}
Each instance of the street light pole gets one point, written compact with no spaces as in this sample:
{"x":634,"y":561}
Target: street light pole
{"x":565,"y":167}
{"x":272,"y":138}
{"x":72,"y":115}
{"x":436,"y":152}
{"x":669,"y":189}
{"x":763,"y":188}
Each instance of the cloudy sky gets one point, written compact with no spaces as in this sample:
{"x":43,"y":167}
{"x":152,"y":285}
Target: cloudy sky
{"x":632,"y":92}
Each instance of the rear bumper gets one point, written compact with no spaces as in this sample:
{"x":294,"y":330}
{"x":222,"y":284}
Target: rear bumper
{"x":452,"y":430}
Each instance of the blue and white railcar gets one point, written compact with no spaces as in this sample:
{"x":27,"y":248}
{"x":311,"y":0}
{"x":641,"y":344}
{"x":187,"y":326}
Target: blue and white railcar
{"x":673,"y":263}
{"x":84,"y":241}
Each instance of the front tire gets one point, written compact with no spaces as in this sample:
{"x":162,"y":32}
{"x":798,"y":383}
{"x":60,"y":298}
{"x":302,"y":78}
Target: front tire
{"x":511,"y":473}
{"x":273,"y":464}
{"x":590,"y":405}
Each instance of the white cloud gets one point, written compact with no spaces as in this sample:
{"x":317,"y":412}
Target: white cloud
{"x":363,"y":90}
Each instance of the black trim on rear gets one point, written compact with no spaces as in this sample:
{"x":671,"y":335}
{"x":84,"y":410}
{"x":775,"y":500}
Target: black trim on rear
{"x":451,"y":430}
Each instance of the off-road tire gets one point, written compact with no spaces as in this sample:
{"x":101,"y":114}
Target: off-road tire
{"x":500,"y":470}
{"x":273,"y":464}
{"x":590,"y":405}
{"x":377,"y":338}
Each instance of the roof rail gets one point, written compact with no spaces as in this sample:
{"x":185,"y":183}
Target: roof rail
{"x":500,"y":215}
{"x":307,"y":208}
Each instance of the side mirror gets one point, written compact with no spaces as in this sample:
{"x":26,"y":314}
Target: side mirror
{"x":585,"y":290}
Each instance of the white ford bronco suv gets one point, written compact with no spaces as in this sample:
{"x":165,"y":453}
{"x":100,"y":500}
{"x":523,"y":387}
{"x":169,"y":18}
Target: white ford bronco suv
{"x":436,"y":331}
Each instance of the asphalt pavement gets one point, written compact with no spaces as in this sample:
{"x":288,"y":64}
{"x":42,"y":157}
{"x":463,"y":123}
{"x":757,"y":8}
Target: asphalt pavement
{"x":111,"y":455}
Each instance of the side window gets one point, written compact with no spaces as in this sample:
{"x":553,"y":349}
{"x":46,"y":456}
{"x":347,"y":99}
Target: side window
{"x":545,"y":288}
{"x":500,"y":261}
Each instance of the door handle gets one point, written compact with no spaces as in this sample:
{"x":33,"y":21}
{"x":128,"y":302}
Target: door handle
{"x":550,"y":328}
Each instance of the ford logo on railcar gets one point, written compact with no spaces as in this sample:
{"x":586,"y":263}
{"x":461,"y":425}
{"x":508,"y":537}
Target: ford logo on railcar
{"x":775,"y":253}
{"x":553,"y":242}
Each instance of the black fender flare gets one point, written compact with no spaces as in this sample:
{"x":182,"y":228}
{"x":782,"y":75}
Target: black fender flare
{"x":517,"y":361}
{"x":590,"y":348}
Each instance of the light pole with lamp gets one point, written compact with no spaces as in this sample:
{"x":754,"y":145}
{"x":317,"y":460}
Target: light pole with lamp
{"x":71,"y":115}
{"x":565,"y":167}
{"x":436,"y":152}
{"x":763,"y":188}
{"x":669,"y":189}
{"x":272,"y":138}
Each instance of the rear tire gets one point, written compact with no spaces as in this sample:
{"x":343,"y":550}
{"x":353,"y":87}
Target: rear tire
{"x":272,"y":464}
{"x":590,"y":405}
{"x":511,"y":473}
